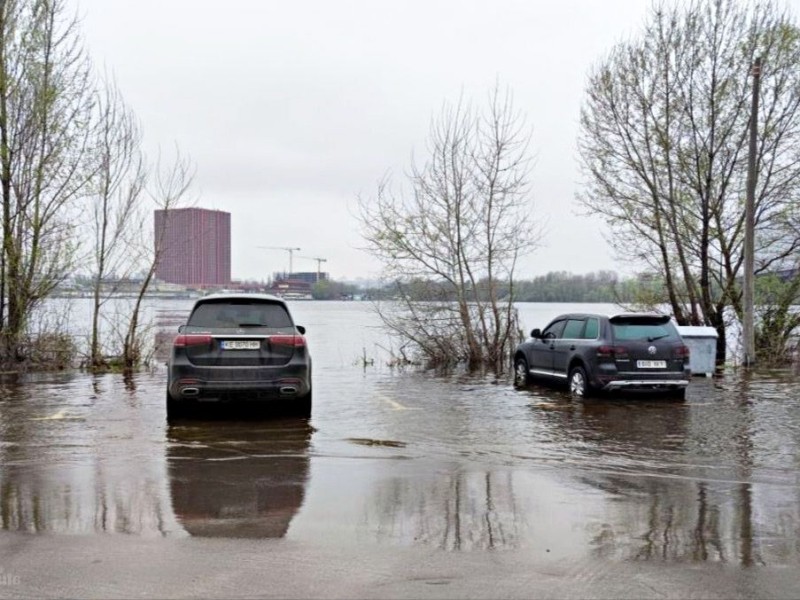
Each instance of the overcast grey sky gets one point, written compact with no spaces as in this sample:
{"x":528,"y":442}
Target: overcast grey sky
{"x":290,"y":109}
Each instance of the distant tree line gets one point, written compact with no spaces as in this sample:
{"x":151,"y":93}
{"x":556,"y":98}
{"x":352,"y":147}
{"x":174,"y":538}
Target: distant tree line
{"x":329,"y":289}
{"x":561,"y":286}
{"x":556,"y":286}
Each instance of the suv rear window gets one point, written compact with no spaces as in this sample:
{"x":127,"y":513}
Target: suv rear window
{"x":234,"y":315}
{"x":643,"y":331}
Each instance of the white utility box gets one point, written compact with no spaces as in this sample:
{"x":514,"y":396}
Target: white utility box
{"x":702,"y":343}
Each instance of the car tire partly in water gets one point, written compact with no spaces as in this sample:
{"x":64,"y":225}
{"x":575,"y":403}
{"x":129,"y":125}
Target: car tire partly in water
{"x":578,"y":383}
{"x":302,"y":406}
{"x":679,"y":394}
{"x":174,"y":409}
{"x":521,"y":373}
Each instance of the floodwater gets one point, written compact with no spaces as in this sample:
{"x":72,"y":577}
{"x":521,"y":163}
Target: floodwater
{"x":401,"y":463}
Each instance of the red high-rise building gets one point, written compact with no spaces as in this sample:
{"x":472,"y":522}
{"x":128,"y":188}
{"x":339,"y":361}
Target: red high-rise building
{"x":194,"y":247}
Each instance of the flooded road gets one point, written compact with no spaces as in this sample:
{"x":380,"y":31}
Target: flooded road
{"x":402,"y":484}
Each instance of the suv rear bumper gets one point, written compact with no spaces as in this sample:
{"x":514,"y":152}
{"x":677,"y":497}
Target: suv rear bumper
{"x":228,"y":391}
{"x":646,"y":384}
{"x":186,"y":381}
{"x":239,"y":384}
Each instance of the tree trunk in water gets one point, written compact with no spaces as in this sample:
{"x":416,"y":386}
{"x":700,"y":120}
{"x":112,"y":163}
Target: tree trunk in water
{"x":475,"y":355}
{"x":95,"y":360}
{"x":722,"y":342}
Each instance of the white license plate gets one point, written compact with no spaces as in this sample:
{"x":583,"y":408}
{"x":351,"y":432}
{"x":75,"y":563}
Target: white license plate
{"x":651,"y":364}
{"x":240,"y":344}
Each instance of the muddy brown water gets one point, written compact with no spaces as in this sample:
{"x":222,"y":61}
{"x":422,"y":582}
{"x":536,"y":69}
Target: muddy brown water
{"x":407,"y":460}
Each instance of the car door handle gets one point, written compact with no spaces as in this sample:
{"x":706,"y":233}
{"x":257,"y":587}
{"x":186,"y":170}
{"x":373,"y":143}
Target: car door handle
{"x":572,"y":347}
{"x":552,"y":346}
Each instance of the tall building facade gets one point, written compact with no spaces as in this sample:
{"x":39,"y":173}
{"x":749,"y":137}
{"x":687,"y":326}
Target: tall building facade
{"x":195,"y":246}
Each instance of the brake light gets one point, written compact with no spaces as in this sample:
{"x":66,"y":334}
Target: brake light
{"x":612,"y":352}
{"x":182,"y":341}
{"x":681,"y":351}
{"x":295,"y":341}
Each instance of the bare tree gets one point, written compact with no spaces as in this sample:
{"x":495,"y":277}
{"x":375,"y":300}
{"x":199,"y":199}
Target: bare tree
{"x":46,"y":103}
{"x":169,"y":187}
{"x":664,"y":147}
{"x":777,"y":296}
{"x":116,"y":213}
{"x":452,"y":242}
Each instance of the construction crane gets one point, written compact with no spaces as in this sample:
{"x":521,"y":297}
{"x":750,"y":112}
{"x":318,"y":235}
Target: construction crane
{"x":319,"y":264}
{"x":291,"y":252}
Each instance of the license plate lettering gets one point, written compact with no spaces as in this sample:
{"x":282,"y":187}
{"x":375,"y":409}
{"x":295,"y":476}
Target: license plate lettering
{"x":240,"y":344}
{"x":651,"y":364}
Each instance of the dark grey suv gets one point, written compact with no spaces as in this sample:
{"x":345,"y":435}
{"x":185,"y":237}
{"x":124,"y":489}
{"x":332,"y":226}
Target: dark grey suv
{"x":239,"y":347}
{"x":590,"y":352}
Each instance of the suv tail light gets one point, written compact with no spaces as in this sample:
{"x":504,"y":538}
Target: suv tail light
{"x":296,"y":341}
{"x":681,"y":351}
{"x":612,"y":352}
{"x":182,"y":341}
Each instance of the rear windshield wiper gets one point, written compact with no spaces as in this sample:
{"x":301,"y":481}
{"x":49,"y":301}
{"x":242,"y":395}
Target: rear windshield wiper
{"x":657,"y":337}
{"x":250,"y":325}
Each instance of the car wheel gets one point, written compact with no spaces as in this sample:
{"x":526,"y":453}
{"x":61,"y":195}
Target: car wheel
{"x":679,"y":394}
{"x":521,"y":374}
{"x":578,"y":384}
{"x":302,"y":406}
{"x":175,"y":410}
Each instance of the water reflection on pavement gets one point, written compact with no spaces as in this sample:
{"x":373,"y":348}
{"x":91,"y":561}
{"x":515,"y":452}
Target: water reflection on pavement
{"x":419,"y":461}
{"x":238,"y":479}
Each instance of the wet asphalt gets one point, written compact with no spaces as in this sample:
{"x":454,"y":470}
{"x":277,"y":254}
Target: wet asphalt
{"x":401,"y":485}
{"x":406,"y":486}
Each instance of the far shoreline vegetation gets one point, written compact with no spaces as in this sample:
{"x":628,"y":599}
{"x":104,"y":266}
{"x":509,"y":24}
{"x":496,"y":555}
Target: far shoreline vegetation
{"x":59,"y":347}
{"x":644,"y":290}
{"x":602,"y":287}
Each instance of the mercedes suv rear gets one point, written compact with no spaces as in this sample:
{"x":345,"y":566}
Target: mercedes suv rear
{"x":239,"y":347}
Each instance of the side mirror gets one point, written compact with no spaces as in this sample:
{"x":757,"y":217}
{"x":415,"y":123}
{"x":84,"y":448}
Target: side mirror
{"x":181,"y":328}
{"x":536,"y":333}
{"x":301,"y":329}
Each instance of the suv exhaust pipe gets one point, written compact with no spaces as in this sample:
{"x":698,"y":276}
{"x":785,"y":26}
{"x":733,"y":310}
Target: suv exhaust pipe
{"x":190,"y":391}
{"x":288,"y":389}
